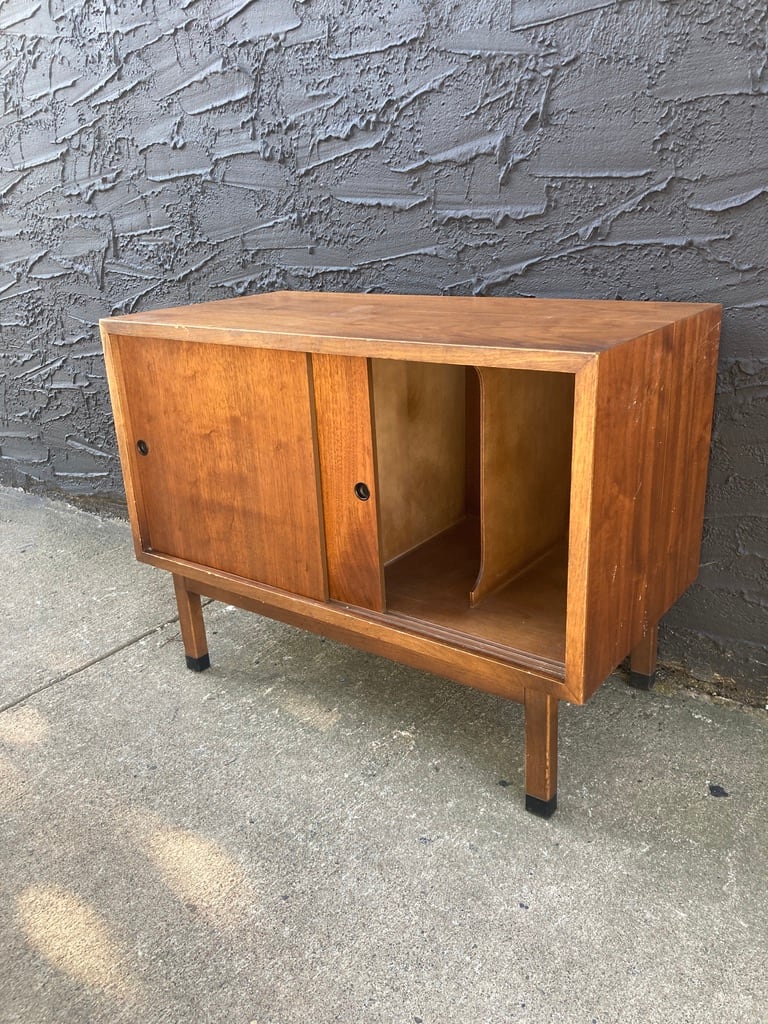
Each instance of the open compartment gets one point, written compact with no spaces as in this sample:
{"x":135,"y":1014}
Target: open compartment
{"x":474,"y":467}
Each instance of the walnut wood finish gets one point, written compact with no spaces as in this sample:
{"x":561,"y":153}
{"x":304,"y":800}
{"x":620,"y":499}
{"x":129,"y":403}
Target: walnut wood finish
{"x":192,"y":624}
{"x":642,"y":660}
{"x":345,"y":440}
{"x":230,"y":477}
{"x":564,"y":444}
{"x":371,"y":631}
{"x":540,"y":752}
{"x":553,"y":334}
{"x":641,"y":445}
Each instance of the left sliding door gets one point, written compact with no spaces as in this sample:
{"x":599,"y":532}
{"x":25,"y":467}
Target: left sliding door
{"x":218,"y":446}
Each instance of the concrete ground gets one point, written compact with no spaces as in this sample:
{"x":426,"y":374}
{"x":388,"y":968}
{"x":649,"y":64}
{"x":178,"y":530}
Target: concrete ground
{"x":306,"y":833}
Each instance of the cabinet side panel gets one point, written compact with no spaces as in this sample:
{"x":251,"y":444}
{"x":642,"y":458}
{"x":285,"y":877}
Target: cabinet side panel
{"x":345,"y":442}
{"x":526,"y":427}
{"x":229,"y":478}
{"x":653,"y":411}
{"x":682,"y":479}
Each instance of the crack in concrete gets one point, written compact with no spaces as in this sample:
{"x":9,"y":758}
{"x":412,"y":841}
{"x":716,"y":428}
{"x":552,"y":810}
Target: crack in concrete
{"x":90,"y":663}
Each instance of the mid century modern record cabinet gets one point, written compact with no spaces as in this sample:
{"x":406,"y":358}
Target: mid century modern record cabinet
{"x":506,"y":492}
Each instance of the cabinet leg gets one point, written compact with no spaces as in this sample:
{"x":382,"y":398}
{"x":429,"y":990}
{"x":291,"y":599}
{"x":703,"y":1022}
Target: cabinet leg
{"x":192,"y":626}
{"x":540,"y":753}
{"x":642,"y":661}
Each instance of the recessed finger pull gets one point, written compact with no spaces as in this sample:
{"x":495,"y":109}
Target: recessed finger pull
{"x":142,"y":447}
{"x":362,"y":491}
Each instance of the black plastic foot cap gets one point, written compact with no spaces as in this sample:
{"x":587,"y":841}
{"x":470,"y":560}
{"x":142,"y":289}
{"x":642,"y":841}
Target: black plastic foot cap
{"x":541,"y":808}
{"x":642,"y":682}
{"x":198,"y":664}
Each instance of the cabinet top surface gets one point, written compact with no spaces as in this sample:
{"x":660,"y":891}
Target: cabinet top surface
{"x":574,"y":326}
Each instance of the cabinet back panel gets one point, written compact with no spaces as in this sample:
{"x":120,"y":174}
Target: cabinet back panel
{"x":419,"y":411}
{"x":230,"y":479}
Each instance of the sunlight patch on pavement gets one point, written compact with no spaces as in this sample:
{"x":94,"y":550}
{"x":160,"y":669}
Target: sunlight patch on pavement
{"x":73,"y":937}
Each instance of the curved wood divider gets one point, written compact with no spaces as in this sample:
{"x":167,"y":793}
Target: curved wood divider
{"x":526,"y":431}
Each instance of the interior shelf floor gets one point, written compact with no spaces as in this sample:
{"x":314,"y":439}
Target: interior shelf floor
{"x":432,"y":585}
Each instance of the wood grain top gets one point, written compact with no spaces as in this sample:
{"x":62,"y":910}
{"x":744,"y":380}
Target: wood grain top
{"x":572,"y":327}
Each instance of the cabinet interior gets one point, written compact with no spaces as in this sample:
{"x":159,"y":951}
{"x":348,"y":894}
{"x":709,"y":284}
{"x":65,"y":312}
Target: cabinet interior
{"x":473,"y":469}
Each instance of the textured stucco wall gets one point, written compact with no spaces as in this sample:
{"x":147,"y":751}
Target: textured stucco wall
{"x":154,"y":153}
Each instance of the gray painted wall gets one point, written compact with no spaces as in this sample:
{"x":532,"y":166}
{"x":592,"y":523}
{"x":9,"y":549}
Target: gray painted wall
{"x":156,"y":153}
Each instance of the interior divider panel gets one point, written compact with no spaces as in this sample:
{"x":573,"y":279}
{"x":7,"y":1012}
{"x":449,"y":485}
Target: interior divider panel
{"x":526,"y":431}
{"x":420,"y":412}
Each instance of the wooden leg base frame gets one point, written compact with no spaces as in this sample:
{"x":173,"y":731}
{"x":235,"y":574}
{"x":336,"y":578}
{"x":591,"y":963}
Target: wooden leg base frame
{"x":540,"y":753}
{"x":192,"y":626}
{"x":540,"y":709}
{"x":198,"y":664}
{"x":642,"y":661}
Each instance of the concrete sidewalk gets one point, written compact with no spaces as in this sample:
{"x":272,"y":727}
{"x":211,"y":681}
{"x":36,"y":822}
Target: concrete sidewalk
{"x":306,"y":833}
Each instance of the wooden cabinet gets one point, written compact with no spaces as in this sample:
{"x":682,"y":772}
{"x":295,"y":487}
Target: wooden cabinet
{"x":506,"y":492}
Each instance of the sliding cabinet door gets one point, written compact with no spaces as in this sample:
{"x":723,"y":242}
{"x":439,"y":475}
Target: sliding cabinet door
{"x":219,"y":442}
